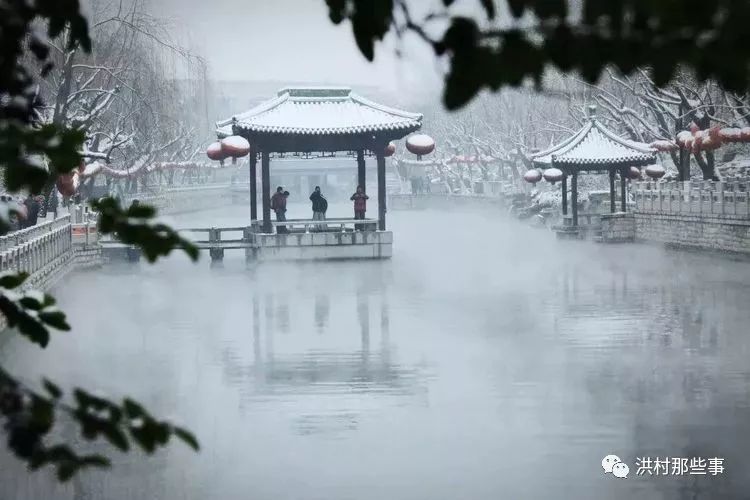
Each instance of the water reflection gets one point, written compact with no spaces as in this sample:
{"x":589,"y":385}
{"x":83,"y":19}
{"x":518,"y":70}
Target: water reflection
{"x":322,"y":312}
{"x":303,"y":365}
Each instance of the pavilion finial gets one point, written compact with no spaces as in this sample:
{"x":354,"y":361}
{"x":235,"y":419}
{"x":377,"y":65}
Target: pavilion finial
{"x":592,"y":111}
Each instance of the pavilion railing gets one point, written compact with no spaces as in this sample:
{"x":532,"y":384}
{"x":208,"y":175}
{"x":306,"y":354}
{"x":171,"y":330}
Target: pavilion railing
{"x":694,"y":198}
{"x":329,"y":225}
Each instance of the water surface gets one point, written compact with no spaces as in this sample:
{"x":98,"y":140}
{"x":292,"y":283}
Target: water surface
{"x":486,"y":360}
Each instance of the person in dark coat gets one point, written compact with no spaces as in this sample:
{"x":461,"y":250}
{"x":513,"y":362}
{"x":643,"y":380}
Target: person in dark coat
{"x":32,"y":211}
{"x":319,"y":207}
{"x":42,"y":206}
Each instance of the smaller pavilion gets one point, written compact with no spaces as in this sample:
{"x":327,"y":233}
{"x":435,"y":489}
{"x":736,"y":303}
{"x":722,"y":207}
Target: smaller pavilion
{"x":594,"y":148}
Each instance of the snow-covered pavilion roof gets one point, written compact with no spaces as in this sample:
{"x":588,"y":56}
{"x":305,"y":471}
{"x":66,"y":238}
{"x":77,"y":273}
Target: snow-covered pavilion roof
{"x":320,"y":111}
{"x":594,"y":146}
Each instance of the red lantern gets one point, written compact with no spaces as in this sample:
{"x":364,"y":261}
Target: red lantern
{"x":655,"y":171}
{"x":745,"y":134}
{"x":215,"y":152}
{"x":731,"y":134}
{"x":532,"y":176}
{"x":664,"y":146}
{"x":711,"y":142}
{"x":420,"y":144}
{"x":22,"y":211}
{"x":66,"y":185}
{"x":634,"y":173}
{"x":390,"y":150}
{"x":235,"y":147}
{"x":683,"y":138}
{"x":697,"y":143}
{"x":553,"y":175}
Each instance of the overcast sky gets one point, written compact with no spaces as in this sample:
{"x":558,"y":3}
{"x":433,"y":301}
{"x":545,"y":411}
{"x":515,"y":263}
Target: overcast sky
{"x":292,"y":40}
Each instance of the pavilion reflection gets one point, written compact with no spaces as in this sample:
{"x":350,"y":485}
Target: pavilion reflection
{"x":303,"y":364}
{"x":660,"y":310}
{"x":322,"y":312}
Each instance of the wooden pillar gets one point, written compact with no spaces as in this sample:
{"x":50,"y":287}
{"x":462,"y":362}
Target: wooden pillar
{"x":253,"y":187}
{"x":574,"y":198}
{"x":565,"y":194}
{"x":612,"y":201}
{"x":361,"y":174}
{"x":266,"y":187}
{"x":379,"y":153}
{"x":623,"y":189}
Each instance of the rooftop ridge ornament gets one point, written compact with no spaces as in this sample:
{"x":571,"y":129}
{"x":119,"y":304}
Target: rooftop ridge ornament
{"x":315,"y":91}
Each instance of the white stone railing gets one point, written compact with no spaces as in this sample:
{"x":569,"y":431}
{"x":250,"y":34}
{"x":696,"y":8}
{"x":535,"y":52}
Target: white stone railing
{"x":32,"y":249}
{"x":693,"y":198}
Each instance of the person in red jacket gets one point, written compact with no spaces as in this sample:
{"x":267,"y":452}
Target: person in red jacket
{"x":278,"y":205}
{"x":360,"y":205}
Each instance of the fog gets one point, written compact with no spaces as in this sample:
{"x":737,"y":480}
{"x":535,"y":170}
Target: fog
{"x":295,"y":41}
{"x":486,"y":359}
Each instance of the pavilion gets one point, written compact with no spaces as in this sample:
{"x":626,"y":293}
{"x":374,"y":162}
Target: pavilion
{"x":318,"y":120}
{"x":594,"y":148}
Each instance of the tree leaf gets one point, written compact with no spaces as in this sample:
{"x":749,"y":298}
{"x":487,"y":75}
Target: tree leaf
{"x":33,"y":330}
{"x":66,"y":470}
{"x":30,"y":303}
{"x":116,"y":437}
{"x":52,"y":389}
{"x":13,"y":280}
{"x":187,"y":437}
{"x":55,"y":319}
{"x":489,"y":8}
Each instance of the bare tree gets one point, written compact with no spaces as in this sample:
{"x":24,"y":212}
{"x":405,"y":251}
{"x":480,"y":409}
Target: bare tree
{"x":125,"y":94}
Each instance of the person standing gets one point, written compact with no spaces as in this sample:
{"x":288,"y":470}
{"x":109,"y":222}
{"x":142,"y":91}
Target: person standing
{"x":319,"y":207}
{"x":278,"y":205}
{"x":32,"y":211}
{"x":360,"y":206}
{"x":53,"y":202}
{"x":40,"y":199}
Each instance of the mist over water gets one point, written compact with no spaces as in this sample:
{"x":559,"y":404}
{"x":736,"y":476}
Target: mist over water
{"x":485,"y":360}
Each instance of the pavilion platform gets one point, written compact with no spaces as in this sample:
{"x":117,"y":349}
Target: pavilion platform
{"x":304,"y":239}
{"x":295,"y":239}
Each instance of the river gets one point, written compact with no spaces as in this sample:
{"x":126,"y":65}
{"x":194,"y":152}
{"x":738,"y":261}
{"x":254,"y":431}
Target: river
{"x":485,"y":360}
